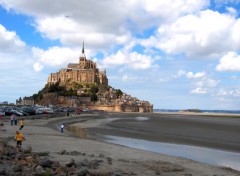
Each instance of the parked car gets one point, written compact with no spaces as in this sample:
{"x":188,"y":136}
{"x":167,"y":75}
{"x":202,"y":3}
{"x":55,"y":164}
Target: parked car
{"x":28,"y":110}
{"x":85,"y":110}
{"x":16,"y":112}
{"x":2,"y":114}
{"x":48,"y":111}
{"x":44,"y":110}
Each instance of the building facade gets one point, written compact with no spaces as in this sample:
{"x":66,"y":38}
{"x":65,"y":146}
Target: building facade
{"x":28,"y":101}
{"x":85,"y":71}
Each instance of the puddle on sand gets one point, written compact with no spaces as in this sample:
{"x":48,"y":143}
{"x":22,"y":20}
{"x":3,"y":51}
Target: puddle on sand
{"x":204,"y":155}
{"x":79,"y":132}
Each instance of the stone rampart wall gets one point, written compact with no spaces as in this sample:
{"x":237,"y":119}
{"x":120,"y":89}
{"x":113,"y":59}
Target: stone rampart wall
{"x":121,"y":108}
{"x":53,"y":99}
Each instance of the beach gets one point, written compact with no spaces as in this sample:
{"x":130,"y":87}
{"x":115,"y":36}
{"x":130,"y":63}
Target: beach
{"x":207,"y":130}
{"x":43,"y":135}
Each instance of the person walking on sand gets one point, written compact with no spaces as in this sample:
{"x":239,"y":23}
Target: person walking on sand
{"x":12,"y":119}
{"x":15,"y":119}
{"x":62,"y":126}
{"x":21,"y":124}
{"x":19,"y":139}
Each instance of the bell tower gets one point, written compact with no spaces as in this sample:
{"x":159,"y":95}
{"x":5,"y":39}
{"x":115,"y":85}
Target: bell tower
{"x":82,"y":57}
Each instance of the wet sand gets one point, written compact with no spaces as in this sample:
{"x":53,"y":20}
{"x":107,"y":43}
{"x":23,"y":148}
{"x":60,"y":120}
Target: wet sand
{"x":43,"y":135}
{"x":190,"y":129}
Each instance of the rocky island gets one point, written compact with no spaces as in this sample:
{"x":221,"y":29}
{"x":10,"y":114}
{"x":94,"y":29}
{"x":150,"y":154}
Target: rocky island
{"x":83,"y":85}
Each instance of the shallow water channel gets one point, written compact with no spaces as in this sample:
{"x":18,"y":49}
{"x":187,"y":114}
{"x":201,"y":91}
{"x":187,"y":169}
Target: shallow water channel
{"x":201,"y":154}
{"x":204,"y":155}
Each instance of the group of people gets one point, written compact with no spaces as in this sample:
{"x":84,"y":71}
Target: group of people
{"x":19,"y":136}
{"x":13,"y":120}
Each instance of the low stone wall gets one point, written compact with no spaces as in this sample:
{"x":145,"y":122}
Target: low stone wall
{"x":110,"y":108}
{"x":121,"y":108}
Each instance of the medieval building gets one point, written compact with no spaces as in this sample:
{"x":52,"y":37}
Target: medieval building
{"x":85,"y":71}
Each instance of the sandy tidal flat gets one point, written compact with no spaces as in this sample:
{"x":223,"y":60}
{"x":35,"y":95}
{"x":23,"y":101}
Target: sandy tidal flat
{"x":44,"y":135}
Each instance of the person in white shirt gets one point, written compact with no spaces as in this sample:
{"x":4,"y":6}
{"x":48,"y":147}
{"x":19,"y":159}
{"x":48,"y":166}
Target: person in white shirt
{"x":62,"y":126}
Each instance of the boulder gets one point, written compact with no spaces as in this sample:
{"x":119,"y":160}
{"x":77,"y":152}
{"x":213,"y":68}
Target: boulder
{"x":46,"y":163}
{"x":70,"y":163}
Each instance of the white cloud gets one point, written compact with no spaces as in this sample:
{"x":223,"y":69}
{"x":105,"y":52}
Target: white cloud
{"x":201,"y":80}
{"x":191,"y":75}
{"x":232,"y":92}
{"x":38,"y":67}
{"x":56,"y":56}
{"x":180,"y":73}
{"x":235,"y":92}
{"x":128,"y":78}
{"x":139,"y":61}
{"x":98,"y":24}
{"x":207,"y":82}
{"x":198,"y":35}
{"x":18,"y":77}
{"x":9,"y":41}
{"x":222,"y":92}
{"x":232,"y":11}
{"x":117,"y":59}
{"x":183,"y":27}
{"x":173,"y":8}
{"x":222,"y":2}
{"x":72,"y":32}
{"x":148,"y":13}
{"x":132,"y":60}
{"x":229,"y":62}
{"x":199,"y":90}
{"x":196,"y":75}
{"x":74,"y":21}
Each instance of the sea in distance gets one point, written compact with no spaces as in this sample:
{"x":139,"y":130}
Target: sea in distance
{"x":203,"y":111}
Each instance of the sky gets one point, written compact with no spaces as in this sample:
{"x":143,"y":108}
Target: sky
{"x":176,"y":54}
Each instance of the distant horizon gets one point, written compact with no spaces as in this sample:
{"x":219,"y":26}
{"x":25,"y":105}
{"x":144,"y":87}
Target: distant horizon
{"x":238,"y":110}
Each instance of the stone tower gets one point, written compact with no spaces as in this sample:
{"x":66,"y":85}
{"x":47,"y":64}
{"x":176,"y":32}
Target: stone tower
{"x":85,"y":72}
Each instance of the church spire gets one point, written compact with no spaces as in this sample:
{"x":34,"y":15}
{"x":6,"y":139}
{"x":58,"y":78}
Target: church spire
{"x":82,"y":56}
{"x":83,"y":48}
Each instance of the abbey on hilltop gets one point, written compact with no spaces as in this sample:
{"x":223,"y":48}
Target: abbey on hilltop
{"x":83,"y":85}
{"x":85,"y":72}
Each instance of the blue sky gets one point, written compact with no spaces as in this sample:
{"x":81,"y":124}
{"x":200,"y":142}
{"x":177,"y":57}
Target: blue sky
{"x":175,"y":54}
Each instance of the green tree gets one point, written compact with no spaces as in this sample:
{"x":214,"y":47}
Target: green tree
{"x":94,"y":88}
{"x":119,"y":93}
{"x":37,"y":97}
{"x":54,"y":88}
{"x":94,"y":97}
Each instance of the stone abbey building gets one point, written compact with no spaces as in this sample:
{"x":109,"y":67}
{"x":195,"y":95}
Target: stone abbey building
{"x":85,"y":71}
